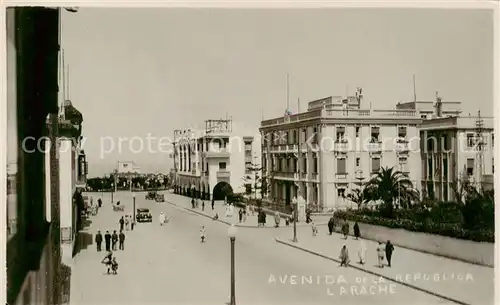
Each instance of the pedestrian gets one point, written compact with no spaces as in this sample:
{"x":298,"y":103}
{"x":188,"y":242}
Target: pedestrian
{"x":121,"y":237}
{"x":308,"y":216}
{"x":107,"y":240}
{"x":356,"y":230}
{"x":98,"y":240}
{"x":192,"y":203}
{"x":114,"y":240}
{"x":202,"y":234}
{"x":252,"y":209}
{"x":277,"y":219}
{"x":213,"y":204}
{"x":240,"y":215}
{"x":331,"y":223}
{"x":99,"y":202}
{"x":161,"y":218}
{"x":380,"y":254}
{"x":245,"y":214}
{"x":345,"y":229}
{"x":344,"y":256}
{"x":362,"y":252}
{"x":127,"y":222}
{"x":122,"y":222}
{"x":203,"y":205}
{"x":389,"y":248}
{"x":227,"y":211}
{"x":216,"y":216}
{"x":314,"y":228}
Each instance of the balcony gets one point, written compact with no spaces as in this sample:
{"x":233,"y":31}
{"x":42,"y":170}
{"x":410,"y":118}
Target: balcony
{"x":223,"y":174}
{"x":402,"y":146}
{"x":303,"y":176}
{"x":373,"y":147}
{"x":286,"y":175}
{"x":217,"y":153}
{"x":315,"y":176}
{"x":341,"y":146}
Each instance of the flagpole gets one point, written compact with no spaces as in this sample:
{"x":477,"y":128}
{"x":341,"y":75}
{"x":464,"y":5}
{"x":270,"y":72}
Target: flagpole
{"x":414,"y":89}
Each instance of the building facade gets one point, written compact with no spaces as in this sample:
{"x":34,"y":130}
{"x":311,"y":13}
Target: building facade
{"x":454,"y":149}
{"x":321,"y":155}
{"x":209,"y":162}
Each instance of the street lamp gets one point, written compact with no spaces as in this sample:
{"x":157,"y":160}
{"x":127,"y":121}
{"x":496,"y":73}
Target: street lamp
{"x":133,"y":220}
{"x":112,"y":192}
{"x":295,"y":221}
{"x":231,"y":231}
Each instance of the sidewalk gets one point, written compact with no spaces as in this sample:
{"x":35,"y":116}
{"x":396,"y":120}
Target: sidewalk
{"x":456,"y":281}
{"x":220,"y":208}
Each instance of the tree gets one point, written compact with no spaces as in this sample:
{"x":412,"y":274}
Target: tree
{"x":358,"y":196}
{"x":389,"y":185}
{"x":254,"y":178}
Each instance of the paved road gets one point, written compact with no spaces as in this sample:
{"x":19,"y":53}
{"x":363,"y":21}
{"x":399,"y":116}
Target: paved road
{"x":169,"y":265}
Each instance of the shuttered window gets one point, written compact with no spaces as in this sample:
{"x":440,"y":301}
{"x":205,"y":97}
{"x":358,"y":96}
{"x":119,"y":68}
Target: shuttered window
{"x":341,"y":166}
{"x":375,"y":165}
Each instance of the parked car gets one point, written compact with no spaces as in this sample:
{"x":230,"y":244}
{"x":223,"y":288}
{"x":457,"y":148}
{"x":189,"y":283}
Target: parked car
{"x":143,"y":215}
{"x":160,"y":198}
{"x":151,"y":195}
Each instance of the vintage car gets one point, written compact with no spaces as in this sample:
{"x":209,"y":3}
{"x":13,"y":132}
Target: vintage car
{"x":151,"y":195}
{"x":143,"y":215}
{"x":160,"y":198}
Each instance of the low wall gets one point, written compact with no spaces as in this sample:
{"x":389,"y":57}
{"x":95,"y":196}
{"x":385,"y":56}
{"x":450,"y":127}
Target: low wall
{"x":481,"y":253}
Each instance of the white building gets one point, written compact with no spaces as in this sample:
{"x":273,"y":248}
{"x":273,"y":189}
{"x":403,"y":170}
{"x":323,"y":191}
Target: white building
{"x":454,"y":148}
{"x":207,"y":160}
{"x":324,"y":153}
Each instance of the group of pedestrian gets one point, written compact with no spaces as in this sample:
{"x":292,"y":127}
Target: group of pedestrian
{"x":110,"y":240}
{"x":383,"y":252}
{"x":242,"y":215}
{"x":261,"y":218}
{"x":126,"y":222}
{"x":344,"y":228}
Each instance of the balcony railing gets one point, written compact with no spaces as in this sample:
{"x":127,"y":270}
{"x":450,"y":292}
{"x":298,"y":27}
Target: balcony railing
{"x":402,"y":147}
{"x":223,"y":174}
{"x":217,"y":153}
{"x":286,"y":175}
{"x":374,"y":147}
{"x":315,"y":176}
{"x":341,"y":146}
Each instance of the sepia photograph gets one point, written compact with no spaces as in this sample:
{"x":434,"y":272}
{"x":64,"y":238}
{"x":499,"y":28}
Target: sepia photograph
{"x":250,"y":156}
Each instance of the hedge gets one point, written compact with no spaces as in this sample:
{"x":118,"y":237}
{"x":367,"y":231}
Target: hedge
{"x":454,"y":230}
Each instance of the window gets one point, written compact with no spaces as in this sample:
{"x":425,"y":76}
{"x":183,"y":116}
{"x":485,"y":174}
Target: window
{"x":315,"y":163}
{"x":340,"y":134}
{"x":296,"y":165}
{"x":470,"y":140}
{"x":430,"y":169}
{"x":492,"y":140}
{"x":445,"y":167}
{"x":286,"y":139}
{"x":358,"y":161}
{"x":341,"y":193}
{"x":315,"y":135}
{"x":304,"y":165}
{"x":445,"y":143}
{"x":402,"y":164}
{"x":294,"y":137}
{"x":206,"y":167}
{"x":375,"y":134}
{"x":430,"y":143}
{"x":402,"y":132}
{"x":341,"y":168}
{"x":423,"y":116}
{"x":248,"y":146}
{"x":357,"y":131}
{"x":445,"y":192}
{"x":375,"y":165}
{"x":222,"y":165}
{"x":470,"y":166}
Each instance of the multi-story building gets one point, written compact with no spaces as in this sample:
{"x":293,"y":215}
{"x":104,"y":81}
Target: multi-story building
{"x":321,"y":155}
{"x":209,"y":162}
{"x":454,"y":149}
{"x":42,"y":172}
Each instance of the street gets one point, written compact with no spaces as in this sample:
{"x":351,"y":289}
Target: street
{"x":169,"y":265}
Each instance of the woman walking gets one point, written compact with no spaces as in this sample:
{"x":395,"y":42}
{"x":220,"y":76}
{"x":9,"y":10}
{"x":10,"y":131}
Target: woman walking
{"x":344,"y":256}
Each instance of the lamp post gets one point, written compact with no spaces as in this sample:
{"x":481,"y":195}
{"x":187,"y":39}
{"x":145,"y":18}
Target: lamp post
{"x":295,"y":221}
{"x":232,"y":237}
{"x":133,"y":220}
{"x":112,"y":192}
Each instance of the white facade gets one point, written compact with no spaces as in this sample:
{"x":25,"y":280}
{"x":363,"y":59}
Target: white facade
{"x":213,"y":157}
{"x":323,"y":154}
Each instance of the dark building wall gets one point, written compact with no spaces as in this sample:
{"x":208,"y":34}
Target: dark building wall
{"x":32,"y":252}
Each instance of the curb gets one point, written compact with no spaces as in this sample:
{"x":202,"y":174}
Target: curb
{"x":372,"y":273}
{"x":236,"y":225}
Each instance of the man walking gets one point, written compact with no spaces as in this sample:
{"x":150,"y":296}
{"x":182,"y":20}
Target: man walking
{"x":114,"y":239}
{"x":389,"y":248}
{"x":122,"y":240}
{"x":331,"y":223}
{"x":213,"y":203}
{"x":98,"y":240}
{"x":99,"y":202}
{"x":122,"y":222}
{"x":107,"y":240}
{"x":203,"y":205}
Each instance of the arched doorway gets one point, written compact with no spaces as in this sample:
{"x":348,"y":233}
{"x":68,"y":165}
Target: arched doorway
{"x":221,"y":190}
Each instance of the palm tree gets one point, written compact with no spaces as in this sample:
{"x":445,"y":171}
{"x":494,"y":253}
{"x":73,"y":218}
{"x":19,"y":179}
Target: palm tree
{"x":389,"y":185}
{"x":358,"y":196}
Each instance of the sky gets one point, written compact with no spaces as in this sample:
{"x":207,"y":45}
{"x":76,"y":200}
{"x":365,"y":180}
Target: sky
{"x":134,"y":72}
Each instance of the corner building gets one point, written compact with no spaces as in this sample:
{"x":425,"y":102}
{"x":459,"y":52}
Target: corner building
{"x":210,"y":162}
{"x":324,"y":153}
